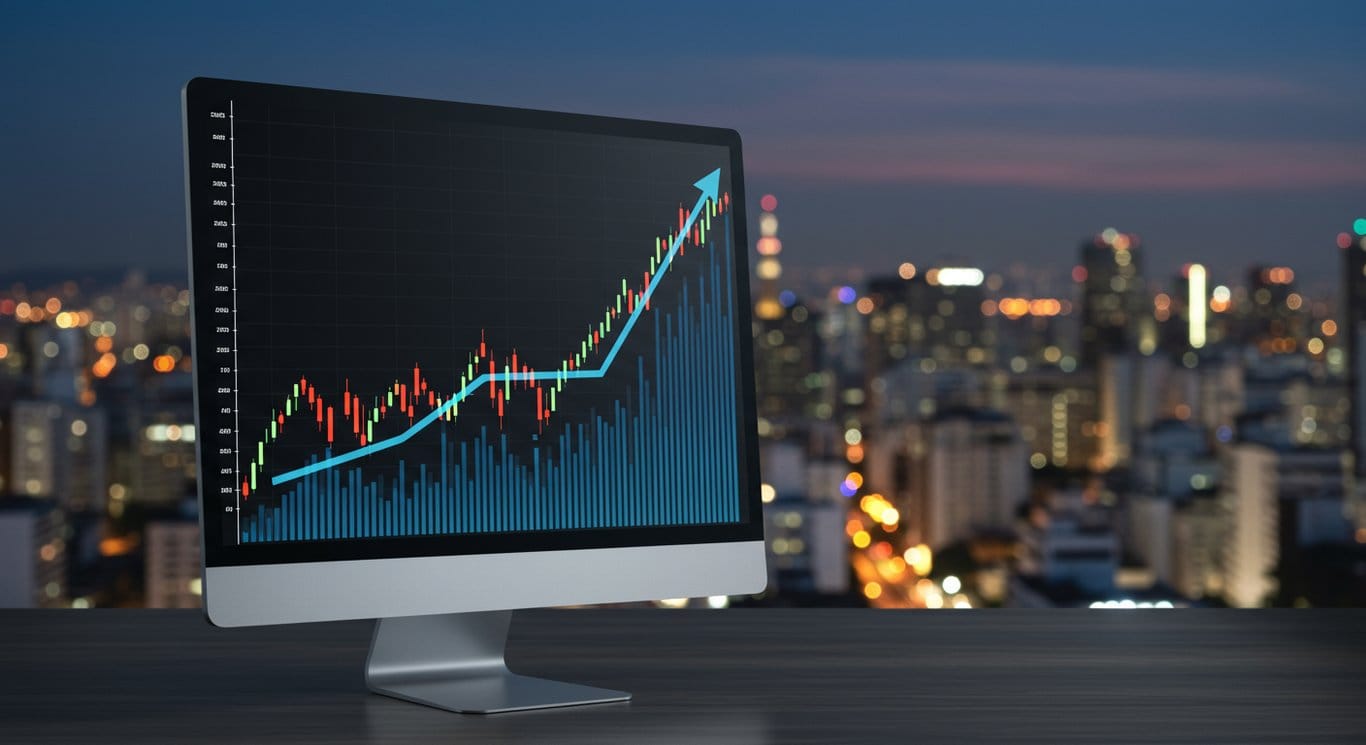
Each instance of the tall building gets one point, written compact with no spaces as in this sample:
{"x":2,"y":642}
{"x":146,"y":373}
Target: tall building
{"x":975,"y":476}
{"x":1199,"y":532}
{"x":804,"y":515}
{"x":1173,"y":459}
{"x":1275,"y":317}
{"x":1182,"y":316}
{"x":1353,"y":327}
{"x":787,"y":350}
{"x":1251,"y":546}
{"x":789,"y":382}
{"x":59,"y":451}
{"x":808,"y":549}
{"x":172,"y":564}
{"x":935,"y":314}
{"x":32,"y":555}
{"x":768,"y":269}
{"x":1114,"y":312}
{"x":1032,"y":332}
{"x":162,"y":435}
{"x":1058,"y":415}
{"x":1067,"y":550}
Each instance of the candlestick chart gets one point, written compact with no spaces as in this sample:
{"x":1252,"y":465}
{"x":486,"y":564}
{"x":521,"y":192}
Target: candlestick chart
{"x":412,"y":347}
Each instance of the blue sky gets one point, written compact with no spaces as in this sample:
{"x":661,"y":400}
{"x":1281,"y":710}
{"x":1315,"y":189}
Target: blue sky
{"x":997,"y":133}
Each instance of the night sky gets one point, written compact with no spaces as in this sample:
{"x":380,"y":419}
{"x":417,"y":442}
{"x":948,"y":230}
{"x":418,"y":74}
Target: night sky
{"x":993,"y":133}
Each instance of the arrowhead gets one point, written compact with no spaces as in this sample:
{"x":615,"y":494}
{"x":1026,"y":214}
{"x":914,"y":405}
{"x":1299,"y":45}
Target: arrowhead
{"x":710,"y":184}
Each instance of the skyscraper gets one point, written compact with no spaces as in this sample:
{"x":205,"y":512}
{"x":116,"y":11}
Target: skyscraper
{"x":935,"y":314}
{"x":1112,"y":303}
{"x":33,"y":554}
{"x":1353,"y":246}
{"x":976,"y":476}
{"x":172,"y":564}
{"x":59,"y":451}
{"x":786,"y":339}
{"x":1249,"y":502}
{"x":768,"y":268}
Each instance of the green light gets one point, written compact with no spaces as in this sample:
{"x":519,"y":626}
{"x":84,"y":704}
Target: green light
{"x":1359,"y":226}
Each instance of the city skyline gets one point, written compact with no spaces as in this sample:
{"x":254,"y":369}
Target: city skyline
{"x":932,"y":438}
{"x":1052,"y":305}
{"x":1232,"y":137}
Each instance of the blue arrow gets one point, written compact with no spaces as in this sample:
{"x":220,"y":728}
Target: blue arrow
{"x":709,"y":185}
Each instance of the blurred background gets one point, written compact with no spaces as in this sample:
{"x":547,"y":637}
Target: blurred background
{"x":1056,"y":304}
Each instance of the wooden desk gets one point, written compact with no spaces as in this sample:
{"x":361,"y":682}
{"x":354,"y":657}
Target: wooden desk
{"x":735,"y":676}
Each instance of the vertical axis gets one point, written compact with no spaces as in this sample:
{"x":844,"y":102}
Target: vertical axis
{"x":236,"y":416}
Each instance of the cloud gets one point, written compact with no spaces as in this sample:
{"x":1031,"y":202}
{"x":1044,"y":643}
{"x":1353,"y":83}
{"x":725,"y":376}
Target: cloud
{"x":1092,"y":127}
{"x":968,"y":84}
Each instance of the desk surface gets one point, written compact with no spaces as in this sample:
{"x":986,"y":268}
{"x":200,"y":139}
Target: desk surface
{"x":737,"y":676}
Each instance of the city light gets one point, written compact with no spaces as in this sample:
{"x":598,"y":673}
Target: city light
{"x":1195,"y":306}
{"x":919,"y":559}
{"x":910,"y":398}
{"x":1127,"y":604}
{"x":953,"y":276}
{"x":769,"y":246}
{"x":1278,"y":275}
{"x":768,"y":268}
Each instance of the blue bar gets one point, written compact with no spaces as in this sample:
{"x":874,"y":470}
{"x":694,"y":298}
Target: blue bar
{"x":641,"y":487}
{"x":421,"y":493}
{"x":539,"y":521}
{"x":504,"y":485}
{"x":445,"y":496}
{"x":687,"y":361}
{"x":599,"y":491}
{"x":466,"y":499}
{"x":582,"y":503}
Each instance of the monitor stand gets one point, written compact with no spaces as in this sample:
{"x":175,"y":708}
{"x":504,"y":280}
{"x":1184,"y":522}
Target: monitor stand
{"x":455,"y":662}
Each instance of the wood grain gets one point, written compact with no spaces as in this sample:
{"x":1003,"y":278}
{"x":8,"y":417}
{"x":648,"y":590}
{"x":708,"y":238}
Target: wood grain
{"x":735,"y":676}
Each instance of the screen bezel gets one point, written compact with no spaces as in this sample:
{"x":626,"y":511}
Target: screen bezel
{"x":749,"y":528}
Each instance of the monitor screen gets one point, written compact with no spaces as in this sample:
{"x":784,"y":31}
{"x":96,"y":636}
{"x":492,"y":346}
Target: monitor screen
{"x":427,"y":328}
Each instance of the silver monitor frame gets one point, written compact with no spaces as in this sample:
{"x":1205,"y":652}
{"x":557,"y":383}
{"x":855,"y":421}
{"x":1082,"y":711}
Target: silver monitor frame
{"x":455,"y":661}
{"x":260,"y":594}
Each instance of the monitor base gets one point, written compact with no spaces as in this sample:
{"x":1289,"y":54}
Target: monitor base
{"x":455,"y":662}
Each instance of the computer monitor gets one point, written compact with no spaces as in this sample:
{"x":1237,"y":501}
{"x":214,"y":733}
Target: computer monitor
{"x":452,"y":360}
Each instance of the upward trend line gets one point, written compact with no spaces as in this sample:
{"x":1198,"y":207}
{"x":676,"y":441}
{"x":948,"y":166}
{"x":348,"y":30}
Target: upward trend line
{"x":709,"y":185}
